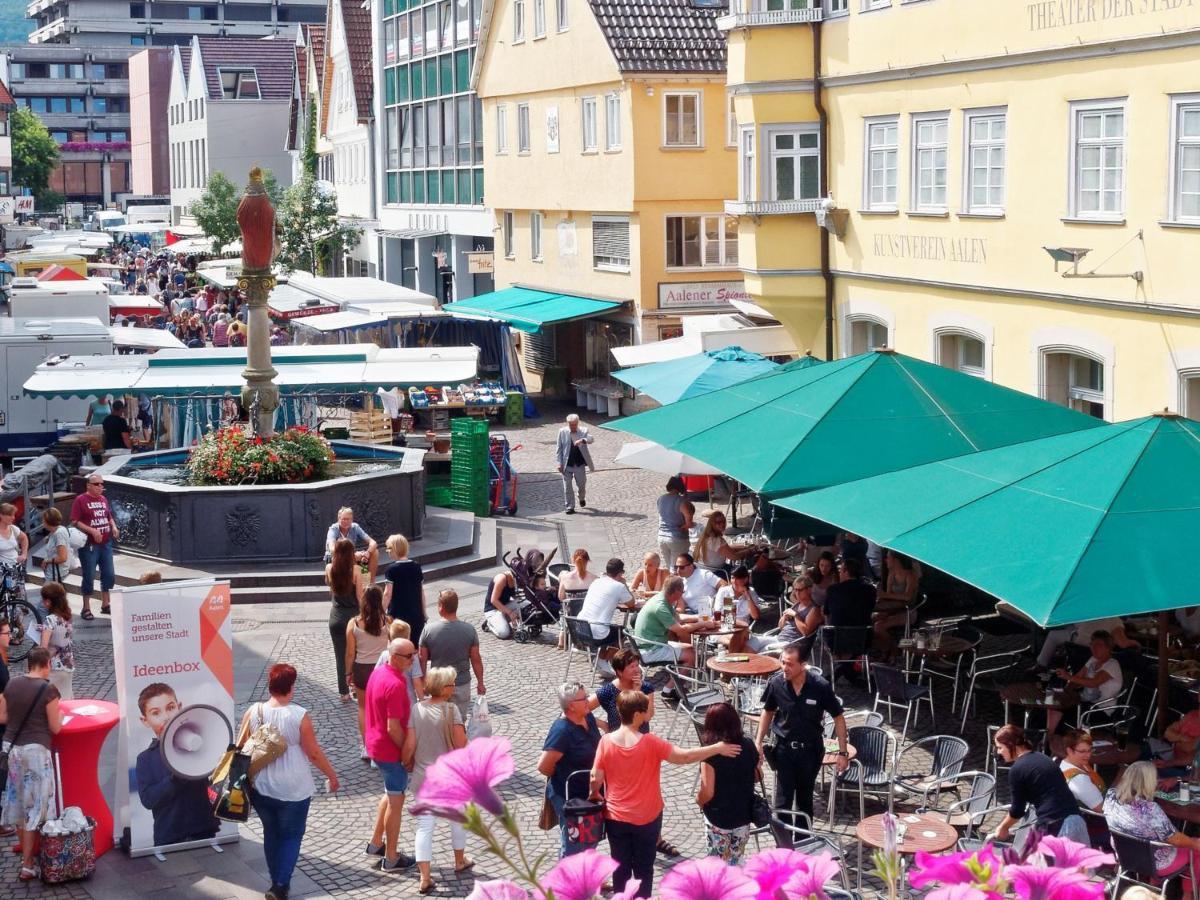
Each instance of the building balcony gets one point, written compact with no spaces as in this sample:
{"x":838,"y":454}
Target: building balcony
{"x":49,"y":32}
{"x":753,"y":13}
{"x":38,"y":6}
{"x":757,"y":208}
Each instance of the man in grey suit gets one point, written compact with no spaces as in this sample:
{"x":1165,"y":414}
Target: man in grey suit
{"x":573,"y":461}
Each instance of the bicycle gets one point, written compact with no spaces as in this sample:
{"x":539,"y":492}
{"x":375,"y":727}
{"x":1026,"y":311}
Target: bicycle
{"x":23,"y":617}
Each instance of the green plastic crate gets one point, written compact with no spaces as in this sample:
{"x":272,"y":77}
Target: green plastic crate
{"x":514,"y":416}
{"x":466,"y":425}
{"x":439,"y":496}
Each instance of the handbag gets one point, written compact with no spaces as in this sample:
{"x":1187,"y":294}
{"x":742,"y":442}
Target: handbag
{"x":68,"y":857}
{"x":8,"y":745}
{"x":549,"y":818}
{"x":264,"y":746}
{"x":771,"y":754}
{"x":584,"y":817}
{"x":760,"y":811}
{"x":229,"y":787}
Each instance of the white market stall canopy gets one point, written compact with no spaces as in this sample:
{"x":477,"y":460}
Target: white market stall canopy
{"x":701,"y":333}
{"x":346,"y":319}
{"x":332,"y":369}
{"x":358,"y":291}
{"x":144,"y":338}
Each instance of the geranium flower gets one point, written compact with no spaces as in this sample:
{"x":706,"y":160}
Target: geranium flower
{"x":1069,"y":854}
{"x":1042,"y":883}
{"x":708,"y":879}
{"x":580,"y":876}
{"x":497,"y":890}
{"x":466,"y":776}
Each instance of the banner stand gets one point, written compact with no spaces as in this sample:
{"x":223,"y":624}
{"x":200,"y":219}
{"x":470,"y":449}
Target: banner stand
{"x":173,"y":653}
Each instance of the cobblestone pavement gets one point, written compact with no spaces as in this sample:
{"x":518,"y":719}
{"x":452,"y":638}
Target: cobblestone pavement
{"x":521,"y":680}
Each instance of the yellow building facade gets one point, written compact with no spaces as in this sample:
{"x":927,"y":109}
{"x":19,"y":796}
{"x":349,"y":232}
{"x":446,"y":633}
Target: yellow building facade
{"x":1013,"y":189}
{"x":608,"y":158}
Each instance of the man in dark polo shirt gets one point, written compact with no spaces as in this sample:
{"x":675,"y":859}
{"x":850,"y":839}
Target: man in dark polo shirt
{"x":794,"y":708}
{"x":850,"y":602}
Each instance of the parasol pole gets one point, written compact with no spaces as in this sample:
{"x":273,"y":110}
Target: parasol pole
{"x":1163,"y":622}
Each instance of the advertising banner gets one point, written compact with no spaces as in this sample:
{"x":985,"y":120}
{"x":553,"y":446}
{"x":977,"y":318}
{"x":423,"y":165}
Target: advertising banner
{"x":700,"y":294}
{"x":173,"y":651}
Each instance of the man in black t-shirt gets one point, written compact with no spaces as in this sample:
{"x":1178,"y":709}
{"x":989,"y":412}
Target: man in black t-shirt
{"x":850,"y":602}
{"x":117,"y":433}
{"x":794,"y":708}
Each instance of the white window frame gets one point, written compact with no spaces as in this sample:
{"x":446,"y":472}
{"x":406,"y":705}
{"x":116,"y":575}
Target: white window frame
{"x":870,"y":322}
{"x":868,"y":149}
{"x":920,"y":152}
{"x":768,"y":188}
{"x":698,"y":97}
{"x":539,"y":19}
{"x":731,"y":124}
{"x":1189,"y":388}
{"x":518,"y":9}
{"x":837,"y":8}
{"x":589,"y":139}
{"x":563,"y":14}
{"x":1077,"y":394}
{"x":535,"y":236}
{"x":1180,"y":103}
{"x":970,"y":117}
{"x":1080,"y":108}
{"x":524,"y":134}
{"x":869,"y":5}
{"x":501,"y":129}
{"x":958,"y":364}
{"x":725,"y":260}
{"x":612,"y":122}
{"x":747,"y":159}
{"x":508,"y":228}
{"x":612,"y":266}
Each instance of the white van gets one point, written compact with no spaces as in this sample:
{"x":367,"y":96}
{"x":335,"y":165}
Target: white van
{"x":29,"y":298}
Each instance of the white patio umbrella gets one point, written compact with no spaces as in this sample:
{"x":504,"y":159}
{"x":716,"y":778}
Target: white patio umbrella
{"x":657,"y":458}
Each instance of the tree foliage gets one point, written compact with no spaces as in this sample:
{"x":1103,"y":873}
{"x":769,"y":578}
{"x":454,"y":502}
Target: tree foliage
{"x":310,"y":232}
{"x":34,"y":152}
{"x":216,"y":210}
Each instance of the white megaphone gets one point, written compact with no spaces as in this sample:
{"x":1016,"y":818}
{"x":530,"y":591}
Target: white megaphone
{"x":195,"y":740}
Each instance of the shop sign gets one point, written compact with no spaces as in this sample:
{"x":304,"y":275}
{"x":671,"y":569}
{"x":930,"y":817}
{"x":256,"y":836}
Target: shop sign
{"x":700,"y":294}
{"x":1050,"y":14}
{"x":481,"y":263}
{"x":173,"y":653}
{"x":8,"y":206}
{"x":24,"y":204}
{"x":931,"y":248}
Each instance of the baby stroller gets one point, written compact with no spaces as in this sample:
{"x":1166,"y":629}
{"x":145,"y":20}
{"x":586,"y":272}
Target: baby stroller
{"x":538,"y":602}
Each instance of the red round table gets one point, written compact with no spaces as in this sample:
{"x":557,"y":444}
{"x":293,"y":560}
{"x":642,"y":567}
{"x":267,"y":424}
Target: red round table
{"x":78,"y":747}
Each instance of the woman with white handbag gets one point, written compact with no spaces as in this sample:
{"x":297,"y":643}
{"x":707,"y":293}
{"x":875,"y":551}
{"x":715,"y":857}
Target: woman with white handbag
{"x":283,"y":788}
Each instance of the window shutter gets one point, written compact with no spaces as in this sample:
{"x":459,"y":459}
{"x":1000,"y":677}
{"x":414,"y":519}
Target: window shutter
{"x":540,"y":349}
{"x":610,"y":241}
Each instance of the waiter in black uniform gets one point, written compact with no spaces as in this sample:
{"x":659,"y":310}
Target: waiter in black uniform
{"x":794,"y":709}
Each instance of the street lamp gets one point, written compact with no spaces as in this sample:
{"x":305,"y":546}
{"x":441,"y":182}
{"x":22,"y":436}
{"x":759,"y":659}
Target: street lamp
{"x":256,"y":219}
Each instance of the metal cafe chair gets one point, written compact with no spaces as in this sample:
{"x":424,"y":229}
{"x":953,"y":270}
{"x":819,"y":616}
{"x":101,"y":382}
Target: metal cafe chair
{"x":870,"y":771}
{"x":696,"y":695}
{"x":1136,"y":863}
{"x":965,"y":813}
{"x":894,"y":692}
{"x":807,"y":839}
{"x":989,"y":673}
{"x":946,"y":756}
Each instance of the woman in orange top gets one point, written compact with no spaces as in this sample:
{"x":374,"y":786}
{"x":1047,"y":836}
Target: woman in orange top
{"x":627,"y":767}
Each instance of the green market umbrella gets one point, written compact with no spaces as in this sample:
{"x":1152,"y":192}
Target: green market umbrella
{"x":1079,"y":526}
{"x":690,"y":376}
{"x":805,"y":426}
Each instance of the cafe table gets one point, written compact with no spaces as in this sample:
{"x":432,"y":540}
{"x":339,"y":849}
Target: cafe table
{"x":744,"y":665}
{"x":714,"y":630}
{"x":1030,"y":696}
{"x":1180,"y":812}
{"x":926,"y":832}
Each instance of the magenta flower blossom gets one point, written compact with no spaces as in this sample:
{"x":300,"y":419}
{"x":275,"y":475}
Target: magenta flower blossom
{"x":466,"y":776}
{"x":579,"y":877}
{"x":952,"y":868}
{"x":772,"y":869}
{"x":960,"y":892}
{"x":497,"y":890}
{"x":707,"y":879}
{"x":1040,"y":883}
{"x":810,"y":881}
{"x":1067,"y":854}
{"x":630,"y":891}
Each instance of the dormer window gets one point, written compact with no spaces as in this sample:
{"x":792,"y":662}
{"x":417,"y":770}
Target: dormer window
{"x":239,"y":84}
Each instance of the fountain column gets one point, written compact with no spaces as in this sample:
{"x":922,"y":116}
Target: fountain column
{"x":256,"y":218}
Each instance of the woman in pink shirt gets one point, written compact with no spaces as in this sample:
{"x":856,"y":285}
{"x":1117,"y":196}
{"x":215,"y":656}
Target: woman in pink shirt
{"x":627,"y":766}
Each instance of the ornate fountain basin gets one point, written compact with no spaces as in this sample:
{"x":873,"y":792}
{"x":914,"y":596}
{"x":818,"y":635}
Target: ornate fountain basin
{"x":203,"y":526}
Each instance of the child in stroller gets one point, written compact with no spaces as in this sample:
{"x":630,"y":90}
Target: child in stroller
{"x":529,"y":602}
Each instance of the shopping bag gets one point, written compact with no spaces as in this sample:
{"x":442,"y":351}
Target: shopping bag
{"x":480,"y":724}
{"x":67,"y":857}
{"x":229,"y":786}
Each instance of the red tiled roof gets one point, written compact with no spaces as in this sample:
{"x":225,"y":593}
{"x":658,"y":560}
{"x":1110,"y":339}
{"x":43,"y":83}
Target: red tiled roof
{"x":6,"y":97}
{"x":185,"y":57}
{"x":357,"y":23}
{"x":316,"y":40}
{"x":273,"y":61}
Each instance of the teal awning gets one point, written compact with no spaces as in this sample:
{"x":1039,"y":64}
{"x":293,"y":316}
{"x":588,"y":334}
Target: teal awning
{"x":528,"y":310}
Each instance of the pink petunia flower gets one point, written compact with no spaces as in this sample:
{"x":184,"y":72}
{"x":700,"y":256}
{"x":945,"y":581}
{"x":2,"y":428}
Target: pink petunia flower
{"x":497,"y":890}
{"x":630,"y":892}
{"x":772,"y":869}
{"x":580,"y":876}
{"x":810,"y":881}
{"x":1068,"y":854}
{"x":960,"y":892}
{"x":707,"y":879}
{"x":951,"y":868}
{"x":466,"y":776}
{"x":1041,"y":883}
